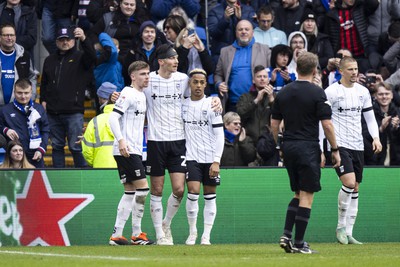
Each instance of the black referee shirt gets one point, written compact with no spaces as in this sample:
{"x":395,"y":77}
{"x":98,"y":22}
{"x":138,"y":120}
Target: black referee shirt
{"x":301,"y":105}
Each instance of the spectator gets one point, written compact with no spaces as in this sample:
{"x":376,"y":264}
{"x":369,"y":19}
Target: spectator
{"x":83,"y":21}
{"x":298,"y":43}
{"x":279,"y":73}
{"x":391,"y":58}
{"x":108,"y":68}
{"x":97,"y":8}
{"x":265,"y":33}
{"x":98,"y":139}
{"x":15,"y":157}
{"x":222,"y":22}
{"x":24,"y":19}
{"x":317,"y":43}
{"x":15,"y":64}
{"x":191,"y":52}
{"x":26,"y":121}
{"x":266,"y":149}
{"x":239,"y":149}
{"x":346,"y":24}
{"x":233,"y":75}
{"x":379,"y":21}
{"x":179,"y":12}
{"x":387,"y":116}
{"x":54,"y":15}
{"x":331,"y":73}
{"x":254,"y":107}
{"x":288,"y":16}
{"x":62,"y":93}
{"x":160,"y":9}
{"x":144,"y":48}
{"x":122,"y":24}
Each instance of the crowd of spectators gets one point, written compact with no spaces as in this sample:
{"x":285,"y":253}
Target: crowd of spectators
{"x":249,"y":49}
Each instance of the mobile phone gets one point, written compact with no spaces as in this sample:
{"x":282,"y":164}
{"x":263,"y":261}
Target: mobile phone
{"x":191,"y":31}
{"x":370,"y":79}
{"x":283,"y":68}
{"x":339,"y":55}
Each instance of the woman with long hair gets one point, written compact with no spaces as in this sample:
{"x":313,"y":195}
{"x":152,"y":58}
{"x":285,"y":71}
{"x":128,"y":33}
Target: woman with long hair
{"x":15,"y":157}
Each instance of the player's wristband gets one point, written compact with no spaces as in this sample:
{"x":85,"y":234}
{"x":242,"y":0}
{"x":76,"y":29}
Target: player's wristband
{"x":334,"y":149}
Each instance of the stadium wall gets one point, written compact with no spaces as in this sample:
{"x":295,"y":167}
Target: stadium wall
{"x":78,"y":207}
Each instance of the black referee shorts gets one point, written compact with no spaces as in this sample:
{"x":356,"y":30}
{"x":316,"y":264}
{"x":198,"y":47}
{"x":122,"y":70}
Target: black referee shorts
{"x":302,"y":160}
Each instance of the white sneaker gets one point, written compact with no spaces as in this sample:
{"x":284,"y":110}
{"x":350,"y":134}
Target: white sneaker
{"x":205,"y":241}
{"x":191,"y":240}
{"x":164,"y":242}
{"x":168,"y":234}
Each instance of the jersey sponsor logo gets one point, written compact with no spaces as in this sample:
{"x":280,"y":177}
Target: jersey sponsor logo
{"x":347,"y":25}
{"x":137,"y":112}
{"x":199,"y":123}
{"x":174,"y":96}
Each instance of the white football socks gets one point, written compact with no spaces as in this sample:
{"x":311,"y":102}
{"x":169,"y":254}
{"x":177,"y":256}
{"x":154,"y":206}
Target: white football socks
{"x":344,"y":200}
{"x":156,"y":212}
{"x":192,"y":210}
{"x":124,"y":210}
{"x":352,"y":214}
{"x":172,"y":208}
{"x":138,"y":210}
{"x":210,"y":212}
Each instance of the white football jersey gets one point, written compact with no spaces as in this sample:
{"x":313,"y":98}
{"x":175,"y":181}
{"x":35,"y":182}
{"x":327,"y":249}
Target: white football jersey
{"x":164,"y":106}
{"x":201,"y":124}
{"x":347,"y":107}
{"x":131,"y":104}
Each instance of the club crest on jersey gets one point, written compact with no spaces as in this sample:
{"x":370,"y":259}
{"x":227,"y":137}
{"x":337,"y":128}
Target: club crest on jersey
{"x":120,"y":101}
{"x":361,"y":98}
{"x":178,"y":86}
{"x":204,"y":112}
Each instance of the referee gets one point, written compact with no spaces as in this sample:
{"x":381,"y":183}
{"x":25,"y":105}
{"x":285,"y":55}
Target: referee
{"x":301,"y":105}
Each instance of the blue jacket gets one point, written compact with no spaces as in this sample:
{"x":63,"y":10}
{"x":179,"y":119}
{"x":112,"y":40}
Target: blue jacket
{"x":160,"y":8}
{"x":222,"y":32}
{"x":12,"y":118}
{"x":110,"y":70}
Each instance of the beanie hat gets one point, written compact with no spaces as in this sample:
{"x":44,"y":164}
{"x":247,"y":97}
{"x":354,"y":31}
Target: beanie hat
{"x":308,"y":14}
{"x":106,"y":89}
{"x":147,"y":23}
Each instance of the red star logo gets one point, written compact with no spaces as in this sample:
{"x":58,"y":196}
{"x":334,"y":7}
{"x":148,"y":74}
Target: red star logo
{"x":43,"y":214}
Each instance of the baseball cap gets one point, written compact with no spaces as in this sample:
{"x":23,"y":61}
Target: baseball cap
{"x":65,"y":33}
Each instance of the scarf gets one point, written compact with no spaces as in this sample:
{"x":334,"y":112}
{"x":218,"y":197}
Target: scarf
{"x":35,"y":139}
{"x":230,"y":136}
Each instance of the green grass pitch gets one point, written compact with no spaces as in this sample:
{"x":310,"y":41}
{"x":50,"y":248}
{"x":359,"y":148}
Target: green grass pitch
{"x":371,"y":254}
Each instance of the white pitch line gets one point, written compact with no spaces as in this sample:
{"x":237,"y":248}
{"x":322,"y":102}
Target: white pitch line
{"x":69,"y":255}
